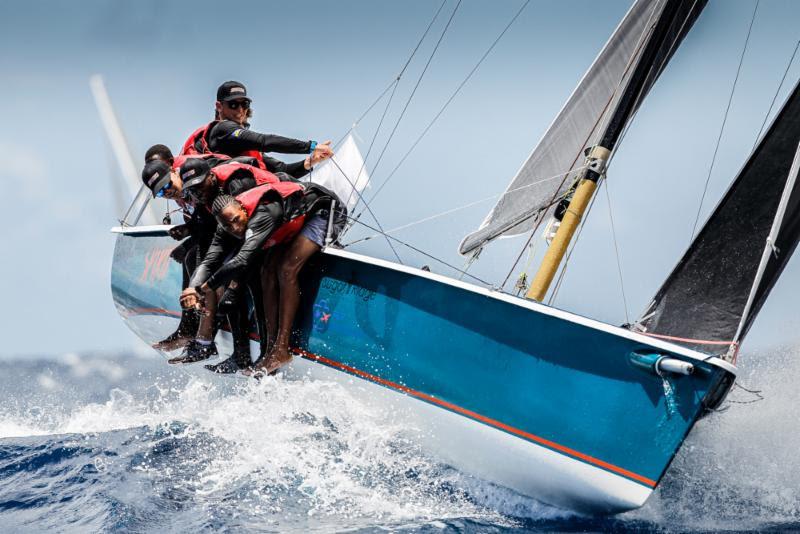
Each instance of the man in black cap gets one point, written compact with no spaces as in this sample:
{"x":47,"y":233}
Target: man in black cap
{"x":164,"y":182}
{"x":201,"y":185}
{"x":229,"y":134}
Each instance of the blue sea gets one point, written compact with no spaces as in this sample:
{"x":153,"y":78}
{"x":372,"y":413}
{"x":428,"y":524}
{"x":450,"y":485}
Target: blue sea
{"x":124,"y":442}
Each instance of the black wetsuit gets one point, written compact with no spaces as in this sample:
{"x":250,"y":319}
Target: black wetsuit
{"x":265,"y":219}
{"x":244,"y":266}
{"x":232,"y":139}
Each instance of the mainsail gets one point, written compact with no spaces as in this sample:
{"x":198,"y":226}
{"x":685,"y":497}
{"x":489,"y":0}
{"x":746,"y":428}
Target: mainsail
{"x":585,"y":118}
{"x":717,"y":289}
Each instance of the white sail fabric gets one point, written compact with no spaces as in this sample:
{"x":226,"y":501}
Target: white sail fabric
{"x":346,"y":175}
{"x":550,"y":169}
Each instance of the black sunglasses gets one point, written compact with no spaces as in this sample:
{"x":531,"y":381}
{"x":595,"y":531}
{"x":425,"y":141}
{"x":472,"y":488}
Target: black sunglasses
{"x":236,"y":104}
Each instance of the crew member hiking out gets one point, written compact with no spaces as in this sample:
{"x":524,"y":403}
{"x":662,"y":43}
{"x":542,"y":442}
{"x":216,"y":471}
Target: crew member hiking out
{"x":229,"y":134}
{"x":201,"y":185}
{"x":250,"y":223}
{"x":160,"y":175}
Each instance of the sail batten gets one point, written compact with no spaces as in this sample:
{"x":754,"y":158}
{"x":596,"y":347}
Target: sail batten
{"x":719,"y":285}
{"x":586,"y":117}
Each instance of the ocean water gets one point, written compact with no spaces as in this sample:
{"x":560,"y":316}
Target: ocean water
{"x":124,"y":442}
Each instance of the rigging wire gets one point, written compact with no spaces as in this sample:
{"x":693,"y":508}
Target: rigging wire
{"x":563,"y":272}
{"x":413,"y":92}
{"x":391,"y":97}
{"x":450,"y":99}
{"x":464,"y":206}
{"x":368,"y":208}
{"x":724,"y":121}
{"x":420,"y":251}
{"x":775,"y":98}
{"x":396,"y":79}
{"x":557,"y":197}
{"x":616,"y":252}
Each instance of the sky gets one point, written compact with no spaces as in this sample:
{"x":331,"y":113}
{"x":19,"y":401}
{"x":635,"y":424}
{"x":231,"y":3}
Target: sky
{"x":312,"y":69}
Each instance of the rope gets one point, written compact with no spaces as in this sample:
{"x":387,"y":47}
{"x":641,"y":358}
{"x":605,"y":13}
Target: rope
{"x":449,"y":100}
{"x":774,"y":98}
{"x":724,"y":121}
{"x":756,"y":392}
{"x":396,"y":79}
{"x":690,"y":340}
{"x":413,"y":92}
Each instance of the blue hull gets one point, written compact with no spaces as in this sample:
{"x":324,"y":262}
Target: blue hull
{"x":557,"y":391}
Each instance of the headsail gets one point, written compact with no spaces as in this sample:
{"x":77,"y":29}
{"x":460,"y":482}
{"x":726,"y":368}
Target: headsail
{"x":551,"y":167}
{"x":717,"y":288}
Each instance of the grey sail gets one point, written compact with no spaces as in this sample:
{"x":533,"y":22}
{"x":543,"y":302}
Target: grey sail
{"x":555,"y":161}
{"x":720,"y":284}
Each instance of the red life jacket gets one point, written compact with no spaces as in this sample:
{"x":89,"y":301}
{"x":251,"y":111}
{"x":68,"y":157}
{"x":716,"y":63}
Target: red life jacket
{"x":224,"y":171}
{"x":198,"y":144}
{"x":293,"y":224}
{"x":180,"y":160}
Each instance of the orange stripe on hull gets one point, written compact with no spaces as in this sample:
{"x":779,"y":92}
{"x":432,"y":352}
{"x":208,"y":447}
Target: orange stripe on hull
{"x":450,"y":406}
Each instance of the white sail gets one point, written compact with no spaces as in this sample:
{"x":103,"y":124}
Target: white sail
{"x":122,"y":153}
{"x":550,"y":169}
{"x":345,"y":175}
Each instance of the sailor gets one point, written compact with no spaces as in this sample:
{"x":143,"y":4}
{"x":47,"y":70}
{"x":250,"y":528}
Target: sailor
{"x":202,"y":183}
{"x":250,"y":223}
{"x":229,"y":134}
{"x":161,"y":170}
{"x":326,"y":217}
{"x":165,"y":182}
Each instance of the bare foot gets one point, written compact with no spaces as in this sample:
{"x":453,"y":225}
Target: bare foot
{"x":172,"y":343}
{"x":269,"y":365}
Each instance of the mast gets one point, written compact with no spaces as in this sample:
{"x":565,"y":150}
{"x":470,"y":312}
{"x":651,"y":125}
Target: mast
{"x":574,"y":206}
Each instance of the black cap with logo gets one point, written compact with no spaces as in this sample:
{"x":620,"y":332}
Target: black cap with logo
{"x":155,"y":175}
{"x":232,"y":91}
{"x":193,"y":172}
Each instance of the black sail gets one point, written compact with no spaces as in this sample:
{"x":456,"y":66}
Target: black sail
{"x":705,"y":297}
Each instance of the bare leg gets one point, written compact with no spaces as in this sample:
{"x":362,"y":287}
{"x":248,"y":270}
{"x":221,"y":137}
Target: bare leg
{"x":206,"y":331}
{"x":300,"y":250}
{"x":270,"y":291}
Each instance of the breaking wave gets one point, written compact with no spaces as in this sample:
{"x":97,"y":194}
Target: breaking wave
{"x":128,"y":443}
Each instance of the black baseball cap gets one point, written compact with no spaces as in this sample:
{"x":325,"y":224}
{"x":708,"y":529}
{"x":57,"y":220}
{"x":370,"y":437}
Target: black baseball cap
{"x":232,"y":91}
{"x":155,"y":175}
{"x":193,"y":172}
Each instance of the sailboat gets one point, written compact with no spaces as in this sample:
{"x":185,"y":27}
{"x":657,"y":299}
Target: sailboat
{"x":568,"y":410}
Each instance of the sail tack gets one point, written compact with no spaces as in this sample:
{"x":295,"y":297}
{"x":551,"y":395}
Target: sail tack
{"x":705,"y":298}
{"x":583,"y":121}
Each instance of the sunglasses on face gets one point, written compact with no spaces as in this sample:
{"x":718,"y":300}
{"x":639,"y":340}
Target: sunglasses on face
{"x":236,"y":104}
{"x":164,"y":189}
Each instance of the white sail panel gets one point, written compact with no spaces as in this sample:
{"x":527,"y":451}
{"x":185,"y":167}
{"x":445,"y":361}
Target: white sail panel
{"x":549,"y":170}
{"x":346,"y":175}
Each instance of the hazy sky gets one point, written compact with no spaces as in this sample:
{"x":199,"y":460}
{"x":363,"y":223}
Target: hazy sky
{"x":312,"y":68}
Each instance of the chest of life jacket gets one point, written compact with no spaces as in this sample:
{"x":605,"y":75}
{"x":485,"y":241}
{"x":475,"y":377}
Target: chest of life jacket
{"x":212,"y":159}
{"x":224,"y":171}
{"x":292,"y":224}
{"x":197,"y":144}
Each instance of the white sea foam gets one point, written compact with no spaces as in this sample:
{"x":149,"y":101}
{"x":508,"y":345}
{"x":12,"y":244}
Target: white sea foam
{"x":738,"y":469}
